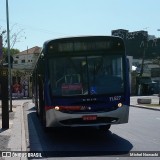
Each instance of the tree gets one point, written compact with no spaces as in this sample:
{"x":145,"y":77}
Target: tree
{"x":15,"y":36}
{"x":12,"y":51}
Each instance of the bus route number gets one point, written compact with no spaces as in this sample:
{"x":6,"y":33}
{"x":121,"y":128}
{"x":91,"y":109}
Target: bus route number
{"x":115,"y":98}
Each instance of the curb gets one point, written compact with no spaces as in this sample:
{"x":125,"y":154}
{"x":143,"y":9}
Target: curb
{"x":24,"y":143}
{"x":137,"y":106}
{"x":30,"y":129}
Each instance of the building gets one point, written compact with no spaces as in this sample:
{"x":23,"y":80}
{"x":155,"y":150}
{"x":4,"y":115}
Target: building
{"x":145,"y":50}
{"x":23,"y":65}
{"x":25,"y":60}
{"x":138,"y":41}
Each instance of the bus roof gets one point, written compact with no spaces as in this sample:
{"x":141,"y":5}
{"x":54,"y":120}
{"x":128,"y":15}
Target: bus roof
{"x":82,"y":38}
{"x":83,"y":43}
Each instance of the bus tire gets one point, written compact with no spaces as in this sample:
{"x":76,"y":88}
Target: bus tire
{"x":105,"y":127}
{"x":37,"y":111}
{"x":46,"y":129}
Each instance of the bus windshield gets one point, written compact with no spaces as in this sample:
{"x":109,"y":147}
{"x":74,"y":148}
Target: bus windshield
{"x":86,"y":75}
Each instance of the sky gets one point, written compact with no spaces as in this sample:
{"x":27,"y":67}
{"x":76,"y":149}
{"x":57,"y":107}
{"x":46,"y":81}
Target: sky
{"x":37,"y":21}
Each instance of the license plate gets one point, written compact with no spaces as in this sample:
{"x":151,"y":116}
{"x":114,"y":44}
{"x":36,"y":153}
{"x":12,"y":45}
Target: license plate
{"x":90,"y":118}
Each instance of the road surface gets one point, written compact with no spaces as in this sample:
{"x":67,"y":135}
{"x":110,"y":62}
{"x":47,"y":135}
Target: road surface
{"x":141,"y":134}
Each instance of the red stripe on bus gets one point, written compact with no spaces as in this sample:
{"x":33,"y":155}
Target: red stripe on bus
{"x":69,"y":108}
{"x":49,"y":107}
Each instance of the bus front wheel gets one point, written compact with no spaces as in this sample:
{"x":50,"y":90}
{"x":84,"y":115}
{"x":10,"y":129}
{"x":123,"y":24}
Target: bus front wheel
{"x":105,"y":127}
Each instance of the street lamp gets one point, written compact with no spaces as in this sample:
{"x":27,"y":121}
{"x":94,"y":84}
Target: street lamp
{"x":8,"y":51}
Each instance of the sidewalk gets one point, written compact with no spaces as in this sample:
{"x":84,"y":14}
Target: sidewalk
{"x":13,"y":139}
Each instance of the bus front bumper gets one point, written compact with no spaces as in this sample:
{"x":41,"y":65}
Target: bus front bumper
{"x":56,"y":118}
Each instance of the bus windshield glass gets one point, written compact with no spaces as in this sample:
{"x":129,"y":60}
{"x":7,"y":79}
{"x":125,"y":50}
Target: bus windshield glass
{"x":86,"y":75}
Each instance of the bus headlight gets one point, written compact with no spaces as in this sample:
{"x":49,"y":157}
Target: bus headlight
{"x":56,"y":108}
{"x":120,"y":105}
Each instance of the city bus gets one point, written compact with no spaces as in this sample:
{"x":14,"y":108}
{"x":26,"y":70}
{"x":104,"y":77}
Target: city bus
{"x":82,"y":81}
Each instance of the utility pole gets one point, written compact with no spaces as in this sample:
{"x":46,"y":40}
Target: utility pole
{"x":145,"y":41}
{"x":9,"y":57}
{"x":4,"y":91}
{"x":4,"y":96}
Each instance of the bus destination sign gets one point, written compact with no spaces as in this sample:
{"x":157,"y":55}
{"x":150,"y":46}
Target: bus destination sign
{"x":84,"y":46}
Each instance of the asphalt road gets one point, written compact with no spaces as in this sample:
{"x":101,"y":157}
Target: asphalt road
{"x":141,"y":134}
